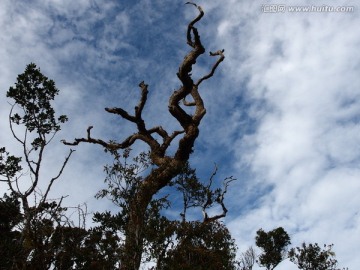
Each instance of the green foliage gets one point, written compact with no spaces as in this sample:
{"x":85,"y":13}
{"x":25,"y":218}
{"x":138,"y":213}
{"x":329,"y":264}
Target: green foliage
{"x":77,"y":248}
{"x":273,"y":245}
{"x":29,"y":220}
{"x":200,"y":246}
{"x":33,"y":92}
{"x":123,"y":178}
{"x":48,"y":244}
{"x":16,"y":243}
{"x":190,"y":187}
{"x":9,"y":165}
{"x":10,"y":217}
{"x":194,"y":192}
{"x":172,"y":244}
{"x":32,"y":96}
{"x":309,"y":257}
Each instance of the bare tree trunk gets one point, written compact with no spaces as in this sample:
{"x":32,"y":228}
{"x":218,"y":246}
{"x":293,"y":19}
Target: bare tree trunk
{"x":135,"y":228}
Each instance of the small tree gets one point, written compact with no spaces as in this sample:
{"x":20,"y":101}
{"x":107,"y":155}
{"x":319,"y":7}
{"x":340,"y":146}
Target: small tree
{"x":202,"y":246}
{"x":247,"y":259}
{"x":32,"y":115}
{"x":166,"y":164}
{"x":34,"y":230}
{"x":309,"y":257}
{"x":273,"y":245}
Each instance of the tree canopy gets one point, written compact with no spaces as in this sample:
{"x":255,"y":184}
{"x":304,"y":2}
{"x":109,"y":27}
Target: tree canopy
{"x":273,"y":245}
{"x":311,"y":256}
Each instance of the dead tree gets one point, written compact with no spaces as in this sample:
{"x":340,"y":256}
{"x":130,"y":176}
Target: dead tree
{"x":167,"y":166}
{"x":248,"y":259}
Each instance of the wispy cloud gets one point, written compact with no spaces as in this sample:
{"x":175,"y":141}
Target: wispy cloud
{"x":302,"y":69}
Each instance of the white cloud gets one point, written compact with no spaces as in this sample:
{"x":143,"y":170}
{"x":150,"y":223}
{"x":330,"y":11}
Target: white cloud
{"x":303,"y":68}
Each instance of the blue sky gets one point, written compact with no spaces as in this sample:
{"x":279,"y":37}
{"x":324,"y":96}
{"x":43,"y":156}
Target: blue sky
{"x":282,"y":111}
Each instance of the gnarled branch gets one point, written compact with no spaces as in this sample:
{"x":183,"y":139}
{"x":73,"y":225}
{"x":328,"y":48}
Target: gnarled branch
{"x":189,"y":122}
{"x":143,"y":134}
{"x":221,"y":58}
{"x":191,"y":27}
{"x":108,"y":145}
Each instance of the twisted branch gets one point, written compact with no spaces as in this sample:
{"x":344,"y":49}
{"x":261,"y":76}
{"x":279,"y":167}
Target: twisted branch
{"x":188,"y":122}
{"x":221,"y":58}
{"x":142,"y":134}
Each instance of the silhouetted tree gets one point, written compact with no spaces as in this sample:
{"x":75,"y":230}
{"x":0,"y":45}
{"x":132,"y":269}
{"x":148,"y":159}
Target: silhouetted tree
{"x":247,"y":259}
{"x":273,"y":245}
{"x":32,"y":115}
{"x":201,"y":246}
{"x":10,"y":217}
{"x":311,"y":256}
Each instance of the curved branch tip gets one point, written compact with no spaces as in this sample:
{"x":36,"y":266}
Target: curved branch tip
{"x":191,"y":3}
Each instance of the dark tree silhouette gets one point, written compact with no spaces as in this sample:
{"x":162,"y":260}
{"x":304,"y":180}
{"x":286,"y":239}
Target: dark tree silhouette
{"x":311,"y":256}
{"x":273,"y":244}
{"x":35,"y":232}
{"x":247,"y":259}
